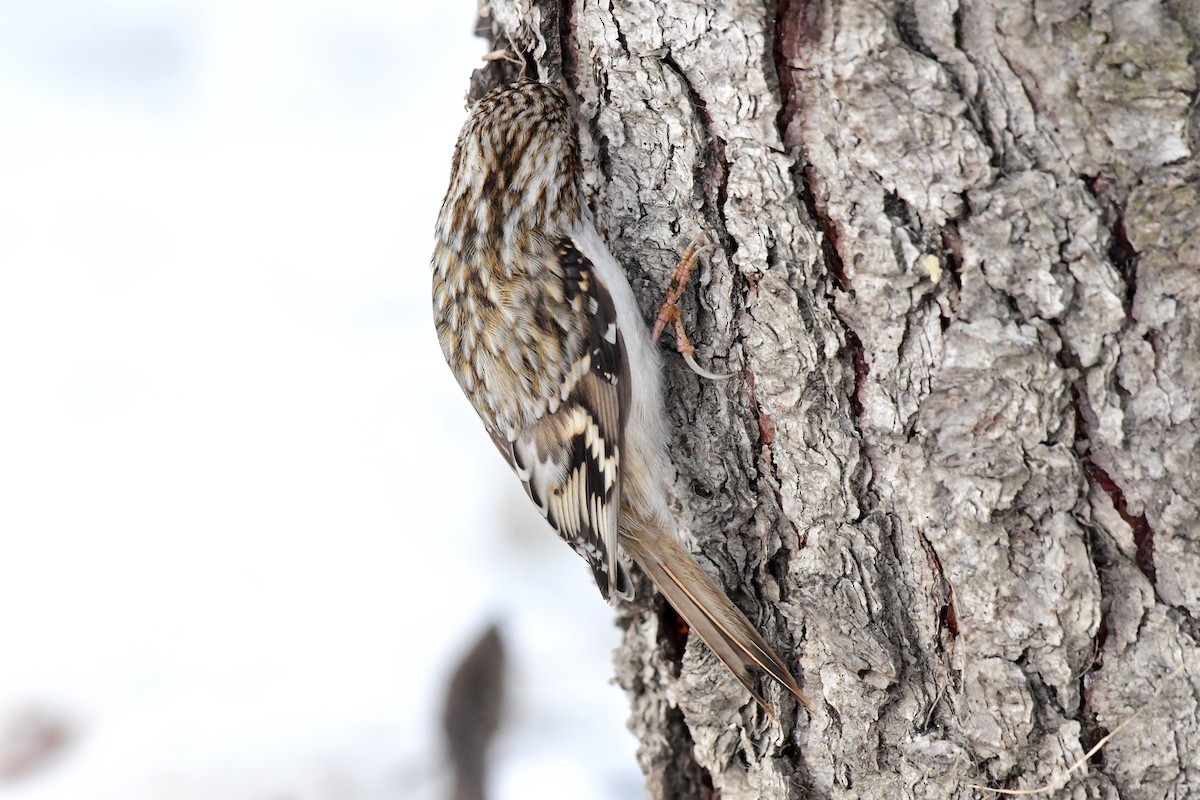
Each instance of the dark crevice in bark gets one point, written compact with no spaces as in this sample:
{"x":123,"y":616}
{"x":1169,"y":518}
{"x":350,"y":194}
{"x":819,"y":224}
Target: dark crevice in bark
{"x":551,"y":33}
{"x":804,"y":181}
{"x":711,"y":168}
{"x":1122,"y":254}
{"x":568,"y":57}
{"x":834,"y":266}
{"x":1121,"y":251}
{"x":952,"y":258}
{"x":603,"y":164}
{"x":947,"y":616}
{"x":829,"y":232}
{"x":901,"y":215}
{"x":795,"y":24}
{"x":976,"y":104}
{"x":858,"y":358}
{"x":1023,"y":154}
{"x":1143,"y":536}
{"x":1124,"y":257}
{"x":898,"y":211}
{"x":766,"y":425}
{"x":621,"y":40}
{"x":910,"y":31}
{"x":721,"y":167}
{"x":780,"y":40}
{"x":766,"y":463}
{"x":912,"y":662}
{"x":960,"y":83}
{"x":796,"y":27}
{"x":672,"y":634}
{"x":1091,"y":731}
{"x":603,"y":159}
{"x":684,"y":777}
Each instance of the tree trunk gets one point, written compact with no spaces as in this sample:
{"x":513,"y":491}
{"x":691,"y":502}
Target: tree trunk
{"x":955,"y":480}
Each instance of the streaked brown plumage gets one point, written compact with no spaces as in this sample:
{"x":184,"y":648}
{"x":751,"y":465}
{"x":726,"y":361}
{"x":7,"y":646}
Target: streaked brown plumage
{"x":541,"y":329}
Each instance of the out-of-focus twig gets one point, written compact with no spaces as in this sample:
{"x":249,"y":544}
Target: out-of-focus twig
{"x":32,"y":739}
{"x":472,"y":713}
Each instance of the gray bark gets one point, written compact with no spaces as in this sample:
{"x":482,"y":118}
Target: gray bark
{"x":956,"y":478}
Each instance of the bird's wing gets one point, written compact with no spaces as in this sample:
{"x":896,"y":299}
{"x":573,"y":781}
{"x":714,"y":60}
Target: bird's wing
{"x":569,"y":458}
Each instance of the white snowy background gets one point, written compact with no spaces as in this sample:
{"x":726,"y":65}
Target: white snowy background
{"x":247,"y":522}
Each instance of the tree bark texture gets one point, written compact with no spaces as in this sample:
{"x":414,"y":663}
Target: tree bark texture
{"x":955,"y":480}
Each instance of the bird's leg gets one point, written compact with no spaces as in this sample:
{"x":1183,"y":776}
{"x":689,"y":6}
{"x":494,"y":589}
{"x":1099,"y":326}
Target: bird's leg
{"x":668,"y":312}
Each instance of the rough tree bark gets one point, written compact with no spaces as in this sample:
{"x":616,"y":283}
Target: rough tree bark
{"x":956,"y":478}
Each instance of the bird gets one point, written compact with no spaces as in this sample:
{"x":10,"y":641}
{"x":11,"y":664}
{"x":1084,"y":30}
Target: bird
{"x":542,"y":331}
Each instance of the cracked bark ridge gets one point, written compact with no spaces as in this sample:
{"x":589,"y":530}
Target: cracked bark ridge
{"x":956,"y":480}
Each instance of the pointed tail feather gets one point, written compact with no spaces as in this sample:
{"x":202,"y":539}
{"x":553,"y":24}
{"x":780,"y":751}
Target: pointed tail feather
{"x":710,"y":613}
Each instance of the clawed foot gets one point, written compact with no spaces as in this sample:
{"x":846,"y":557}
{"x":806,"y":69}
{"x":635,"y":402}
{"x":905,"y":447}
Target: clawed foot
{"x":668,"y":312}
